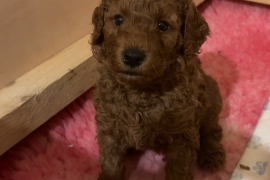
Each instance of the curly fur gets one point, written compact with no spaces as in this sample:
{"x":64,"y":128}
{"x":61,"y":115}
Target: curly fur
{"x":167,"y":104}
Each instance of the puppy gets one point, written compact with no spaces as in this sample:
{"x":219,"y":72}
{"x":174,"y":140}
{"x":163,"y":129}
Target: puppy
{"x":153,"y":93}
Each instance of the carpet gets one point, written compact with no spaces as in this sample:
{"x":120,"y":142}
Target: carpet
{"x":237,"y":55}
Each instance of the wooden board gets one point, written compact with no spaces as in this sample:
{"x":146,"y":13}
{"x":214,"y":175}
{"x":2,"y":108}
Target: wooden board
{"x":35,"y":97}
{"x":198,"y":2}
{"x":31,"y":31}
{"x":260,"y":1}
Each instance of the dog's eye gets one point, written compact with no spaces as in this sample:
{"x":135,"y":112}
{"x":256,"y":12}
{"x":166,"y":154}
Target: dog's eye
{"x":163,"y":26}
{"x":118,"y":20}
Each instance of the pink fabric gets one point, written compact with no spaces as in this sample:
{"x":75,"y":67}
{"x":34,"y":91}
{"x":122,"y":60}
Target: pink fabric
{"x":237,"y":56}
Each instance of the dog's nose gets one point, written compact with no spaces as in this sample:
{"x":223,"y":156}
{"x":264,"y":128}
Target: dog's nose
{"x":133,"y":57}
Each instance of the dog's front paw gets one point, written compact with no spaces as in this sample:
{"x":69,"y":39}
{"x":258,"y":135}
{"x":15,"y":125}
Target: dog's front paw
{"x":212,"y":159}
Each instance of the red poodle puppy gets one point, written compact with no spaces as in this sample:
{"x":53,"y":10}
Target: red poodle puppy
{"x":153,"y":93}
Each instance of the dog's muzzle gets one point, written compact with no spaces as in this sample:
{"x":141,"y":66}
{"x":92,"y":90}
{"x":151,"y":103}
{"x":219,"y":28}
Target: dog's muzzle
{"x":133,"y":57}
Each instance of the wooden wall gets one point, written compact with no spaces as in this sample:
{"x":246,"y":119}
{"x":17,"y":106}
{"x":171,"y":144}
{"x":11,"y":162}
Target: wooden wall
{"x":32,"y":31}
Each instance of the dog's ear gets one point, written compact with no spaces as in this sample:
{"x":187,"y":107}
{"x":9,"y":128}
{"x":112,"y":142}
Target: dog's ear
{"x":97,"y":35}
{"x":195,"y":30}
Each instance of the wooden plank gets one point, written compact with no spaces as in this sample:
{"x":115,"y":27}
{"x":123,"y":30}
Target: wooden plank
{"x":32,"y":31}
{"x":198,"y":2}
{"x":35,"y":97}
{"x":267,"y":2}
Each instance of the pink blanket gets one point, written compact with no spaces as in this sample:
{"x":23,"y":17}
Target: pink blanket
{"x":237,"y":56}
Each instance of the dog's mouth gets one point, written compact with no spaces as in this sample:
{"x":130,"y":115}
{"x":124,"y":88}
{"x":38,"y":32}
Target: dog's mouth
{"x":130,"y":77}
{"x":130,"y":74}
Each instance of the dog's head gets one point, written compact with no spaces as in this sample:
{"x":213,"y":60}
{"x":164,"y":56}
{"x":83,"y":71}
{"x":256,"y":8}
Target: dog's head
{"x":137,"y":40}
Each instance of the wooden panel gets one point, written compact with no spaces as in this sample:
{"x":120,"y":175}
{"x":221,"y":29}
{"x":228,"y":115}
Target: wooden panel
{"x":32,"y":31}
{"x":198,"y":2}
{"x":261,"y":1}
{"x":42,"y":92}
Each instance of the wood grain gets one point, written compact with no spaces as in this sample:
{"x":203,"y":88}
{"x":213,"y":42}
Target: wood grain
{"x":260,"y":1}
{"x":198,"y":2}
{"x":32,"y":31}
{"x":35,"y":97}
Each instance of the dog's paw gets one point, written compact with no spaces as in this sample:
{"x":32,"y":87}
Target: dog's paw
{"x":212,"y":159}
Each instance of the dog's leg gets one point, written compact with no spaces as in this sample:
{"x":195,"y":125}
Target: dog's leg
{"x":211,"y":154}
{"x":180,"y":162}
{"x":112,"y":158}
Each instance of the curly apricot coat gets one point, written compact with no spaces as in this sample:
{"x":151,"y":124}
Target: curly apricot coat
{"x":157,"y":97}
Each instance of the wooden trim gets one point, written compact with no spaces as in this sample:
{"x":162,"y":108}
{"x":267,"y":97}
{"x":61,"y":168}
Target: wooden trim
{"x":198,"y":2}
{"x":38,"y":95}
{"x":260,"y":1}
{"x":32,"y":31}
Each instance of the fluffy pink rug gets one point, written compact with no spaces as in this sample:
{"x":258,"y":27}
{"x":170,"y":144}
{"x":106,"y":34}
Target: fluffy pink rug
{"x":237,"y":56}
